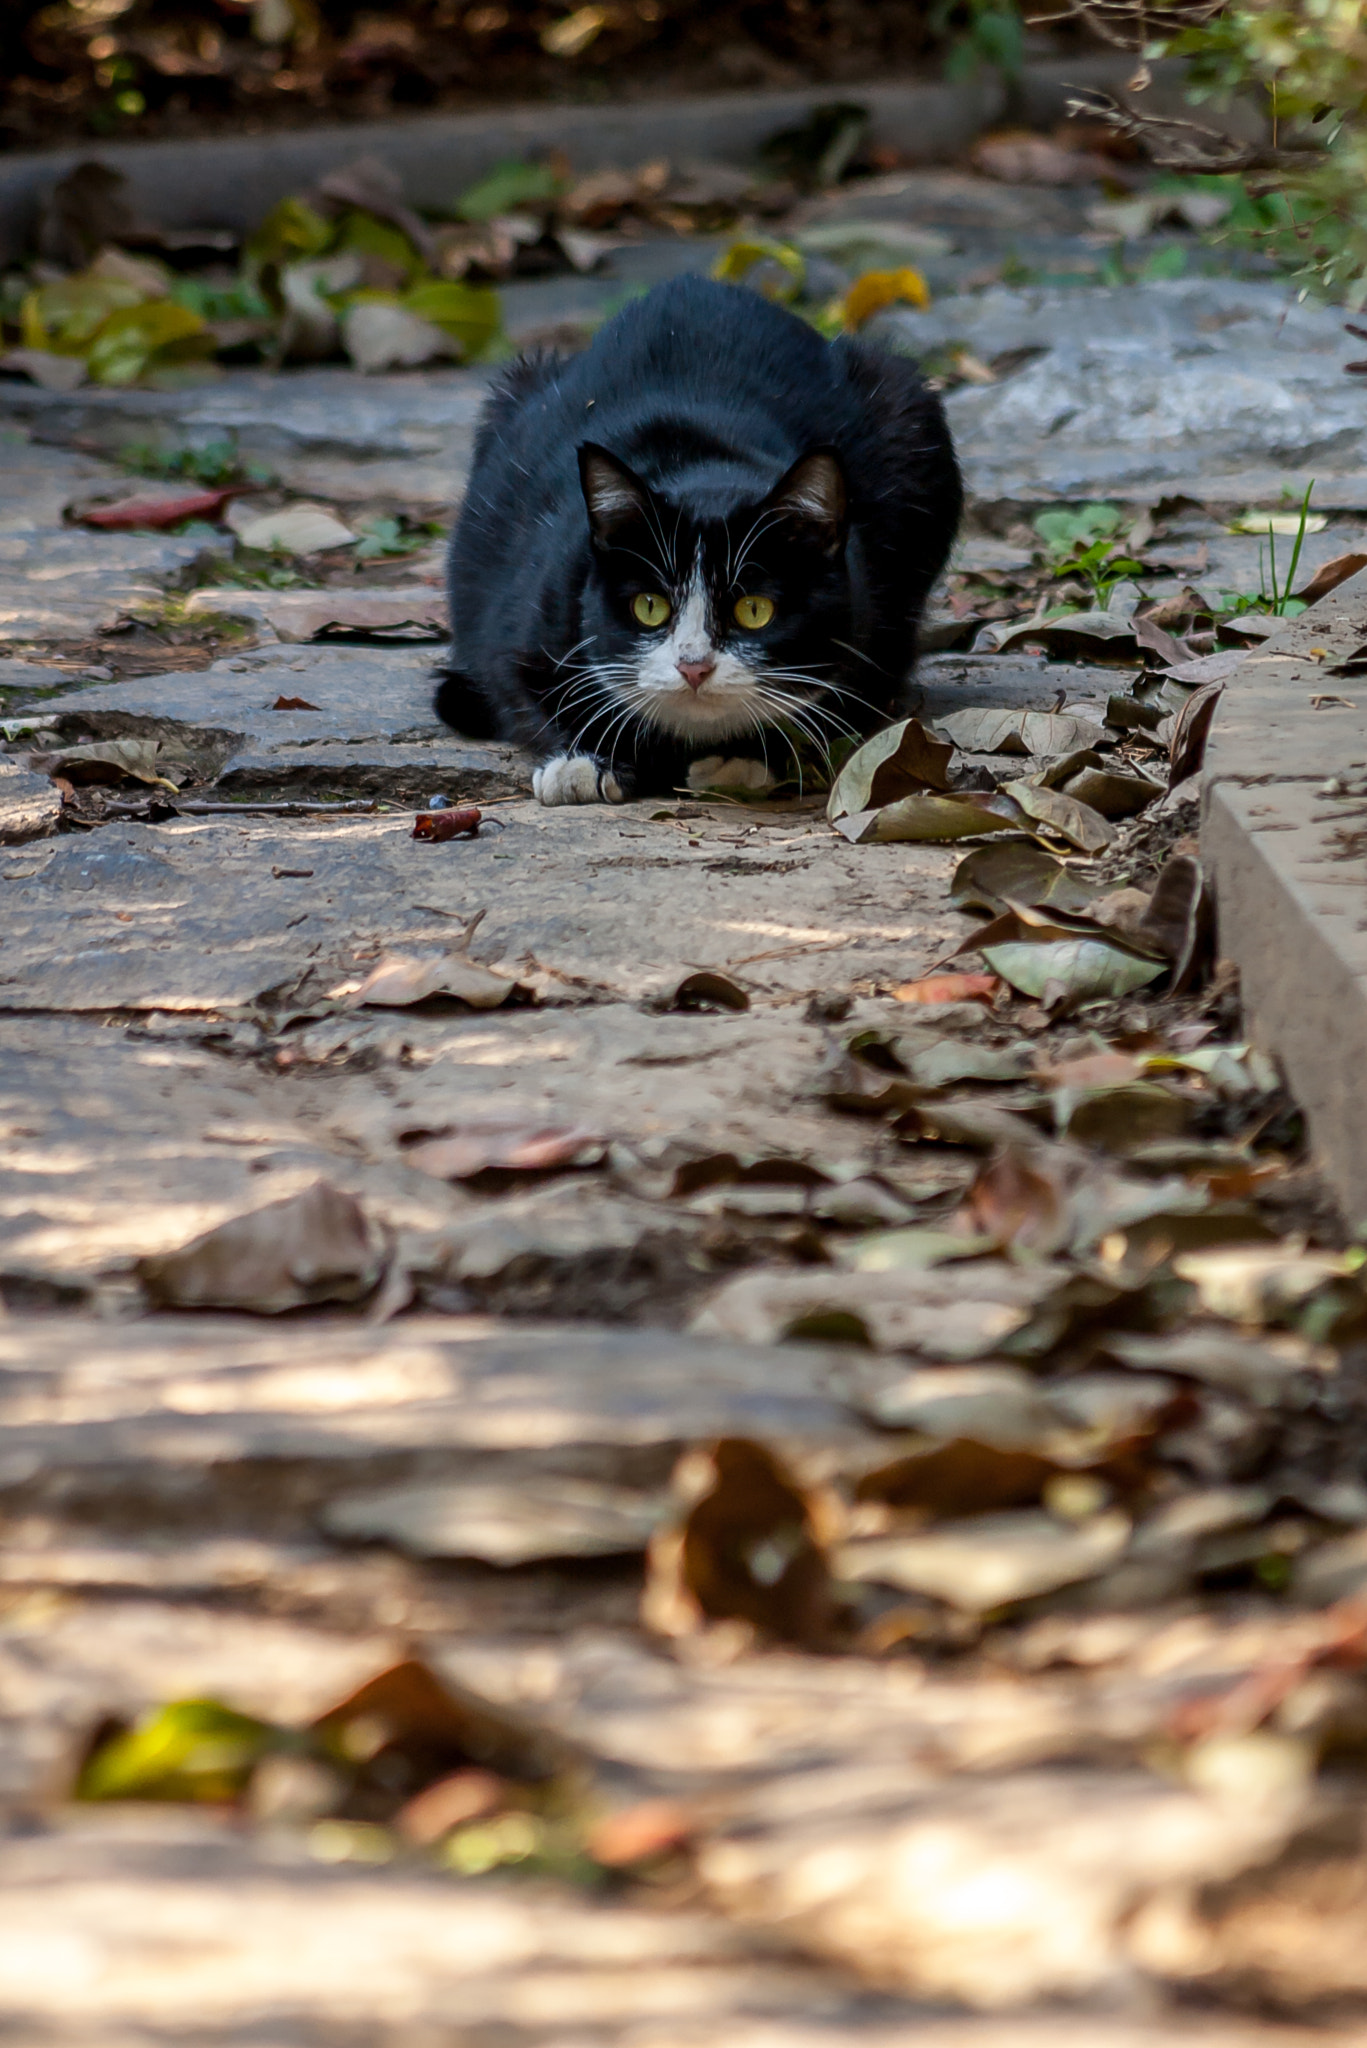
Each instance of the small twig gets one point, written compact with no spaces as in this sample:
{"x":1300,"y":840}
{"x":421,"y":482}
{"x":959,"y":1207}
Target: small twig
{"x":198,"y":807}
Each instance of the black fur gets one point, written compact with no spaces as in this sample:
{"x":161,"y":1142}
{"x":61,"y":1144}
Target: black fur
{"x":698,"y":405}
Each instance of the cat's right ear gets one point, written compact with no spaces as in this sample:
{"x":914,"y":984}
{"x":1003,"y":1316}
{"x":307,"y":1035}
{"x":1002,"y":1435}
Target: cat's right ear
{"x":614,"y":495}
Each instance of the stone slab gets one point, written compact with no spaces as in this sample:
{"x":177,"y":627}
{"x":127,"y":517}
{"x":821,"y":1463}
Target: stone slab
{"x":1220,"y":389}
{"x":597,"y":902}
{"x":93,"y":1408}
{"x":1290,"y":867}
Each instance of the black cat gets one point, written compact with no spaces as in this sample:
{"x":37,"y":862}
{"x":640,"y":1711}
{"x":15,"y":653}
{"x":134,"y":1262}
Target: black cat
{"x":710,"y":535}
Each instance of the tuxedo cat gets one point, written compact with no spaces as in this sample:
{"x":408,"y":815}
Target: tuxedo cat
{"x":705,"y":543}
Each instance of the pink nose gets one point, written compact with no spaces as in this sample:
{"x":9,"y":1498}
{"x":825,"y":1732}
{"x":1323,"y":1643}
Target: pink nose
{"x":695,"y":673}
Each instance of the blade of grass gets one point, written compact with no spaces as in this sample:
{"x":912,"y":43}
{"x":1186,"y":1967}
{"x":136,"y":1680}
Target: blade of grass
{"x":1296,"y":551}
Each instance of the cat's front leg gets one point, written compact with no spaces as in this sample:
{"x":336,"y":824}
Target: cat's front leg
{"x":576,"y":779}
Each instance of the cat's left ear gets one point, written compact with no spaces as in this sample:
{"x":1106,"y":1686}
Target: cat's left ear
{"x":813,"y":493}
{"x":614,"y":495}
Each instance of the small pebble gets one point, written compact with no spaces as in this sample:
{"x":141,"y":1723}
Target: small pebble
{"x":98,"y":675}
{"x":438,"y":803}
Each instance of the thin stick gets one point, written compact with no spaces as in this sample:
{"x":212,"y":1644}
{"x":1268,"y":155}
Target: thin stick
{"x":197,"y":807}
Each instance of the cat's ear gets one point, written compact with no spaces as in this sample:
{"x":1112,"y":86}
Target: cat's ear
{"x":614,"y":495}
{"x":813,"y":493}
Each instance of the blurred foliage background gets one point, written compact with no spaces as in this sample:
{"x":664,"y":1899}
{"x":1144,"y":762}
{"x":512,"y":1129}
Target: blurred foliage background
{"x":129,"y":67}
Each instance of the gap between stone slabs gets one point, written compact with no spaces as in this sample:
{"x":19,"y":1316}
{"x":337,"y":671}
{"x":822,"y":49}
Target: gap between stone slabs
{"x":1289,"y":860}
{"x":234,"y":180}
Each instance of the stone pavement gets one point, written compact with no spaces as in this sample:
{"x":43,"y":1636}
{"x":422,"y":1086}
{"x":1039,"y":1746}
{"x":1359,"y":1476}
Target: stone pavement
{"x":1086,"y":1763}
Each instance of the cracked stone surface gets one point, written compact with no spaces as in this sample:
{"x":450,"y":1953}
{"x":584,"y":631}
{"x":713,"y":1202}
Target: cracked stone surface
{"x":1219,"y":389}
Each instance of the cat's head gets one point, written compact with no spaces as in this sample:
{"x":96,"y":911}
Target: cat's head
{"x":710,"y":618}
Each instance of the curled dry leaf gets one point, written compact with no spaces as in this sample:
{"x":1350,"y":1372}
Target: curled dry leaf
{"x":708,"y":989}
{"x":1100,"y":636}
{"x":1187,"y":745}
{"x":315,"y":1246}
{"x":967,"y":814}
{"x":1179,"y":921}
{"x":1256,"y":1284}
{"x":293,"y":704}
{"x":462,"y":821}
{"x":295,"y":530}
{"x":149,"y":509}
{"x":896,"y":762}
{"x":1109,"y":793}
{"x":991,"y":730}
{"x":1016,"y":871}
{"x":406,"y":1728}
{"x":1119,"y":1118}
{"x":1329,"y":576}
{"x":1076,"y":822}
{"x":1067,"y":971}
{"x":539,"y":1515}
{"x":745,"y":1550}
{"x":1261,"y":1369}
{"x":1020,"y":1198}
{"x":399,"y":980}
{"x":104,"y":762}
{"x":510,"y":1147}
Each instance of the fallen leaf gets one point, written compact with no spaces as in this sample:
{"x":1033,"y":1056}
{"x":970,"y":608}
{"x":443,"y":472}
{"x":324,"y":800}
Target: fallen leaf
{"x":1110,"y":793}
{"x":1187,"y":747}
{"x":876,"y":290}
{"x":965,"y":815}
{"x":949,"y":988}
{"x":144,"y":509}
{"x":1179,"y":921}
{"x":408,"y":613}
{"x":1020,"y":872}
{"x":640,"y":1833}
{"x":295,"y":530}
{"x":1020,"y":156}
{"x":707,"y":989}
{"x":990,"y":1561}
{"x":293,"y":704}
{"x":1258,"y":1284}
{"x":916,"y":1247}
{"x":1002,"y":1405}
{"x":1071,"y":820}
{"x":1100,"y":636}
{"x":103,"y":762}
{"x":949,"y":1061}
{"x":989,"y":730}
{"x":1209,"y":668}
{"x":540,"y":1515}
{"x":1279,"y":522}
{"x":192,"y":1750}
{"x":1120,"y":1118}
{"x":1262,"y":1369}
{"x":1329,"y":575}
{"x":48,"y":370}
{"x":315,"y":1246}
{"x":1019,"y":1198}
{"x":958,"y":1315}
{"x":897,"y":762}
{"x":398,"y":980}
{"x":514,"y":1147}
{"x":460,"y":821}
{"x":789,"y":267}
{"x":448,"y":1803}
{"x":745,"y":1550}
{"x":405,"y":1729}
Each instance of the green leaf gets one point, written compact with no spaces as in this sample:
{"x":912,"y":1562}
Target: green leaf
{"x":1082,"y":970}
{"x":142,"y":337}
{"x":469,"y":313}
{"x":362,"y":234}
{"x":1063,"y":532}
{"x":932,"y":818}
{"x":291,"y":230}
{"x":508,"y":186}
{"x":65,"y":317}
{"x":191,"y":1749}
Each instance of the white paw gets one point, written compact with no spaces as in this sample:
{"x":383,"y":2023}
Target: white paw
{"x":574,"y":779}
{"x":716,"y":772}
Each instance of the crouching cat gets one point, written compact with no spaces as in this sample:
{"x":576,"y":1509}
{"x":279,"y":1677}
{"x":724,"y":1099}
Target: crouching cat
{"x":704,"y":544}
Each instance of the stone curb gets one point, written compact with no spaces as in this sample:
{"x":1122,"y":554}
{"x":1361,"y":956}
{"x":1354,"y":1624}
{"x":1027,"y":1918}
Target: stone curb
{"x":1289,"y":861}
{"x":230,"y":181}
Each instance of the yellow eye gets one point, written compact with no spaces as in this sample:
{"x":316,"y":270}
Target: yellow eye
{"x":754,"y":612}
{"x":650,"y":608}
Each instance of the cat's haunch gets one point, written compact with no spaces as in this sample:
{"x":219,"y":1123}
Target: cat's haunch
{"x":707,"y":539}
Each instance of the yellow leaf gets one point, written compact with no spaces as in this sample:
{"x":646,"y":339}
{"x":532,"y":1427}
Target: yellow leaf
{"x":878,"y":289}
{"x":735,"y":264}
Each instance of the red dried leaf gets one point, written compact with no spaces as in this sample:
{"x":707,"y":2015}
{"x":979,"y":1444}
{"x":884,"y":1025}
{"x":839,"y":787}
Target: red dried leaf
{"x":294,"y":704}
{"x":148,"y":511}
{"x":461,"y":823}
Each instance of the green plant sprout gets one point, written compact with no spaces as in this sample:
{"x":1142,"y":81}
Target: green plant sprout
{"x":1084,"y":543}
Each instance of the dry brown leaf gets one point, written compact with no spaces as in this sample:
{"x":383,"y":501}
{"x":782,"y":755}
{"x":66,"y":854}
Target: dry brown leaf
{"x":406,"y":1728}
{"x":745,"y":1551}
{"x":949,"y":988}
{"x":514,"y":1147}
{"x":399,"y":980}
{"x":315,"y":1246}
{"x":896,"y":762}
